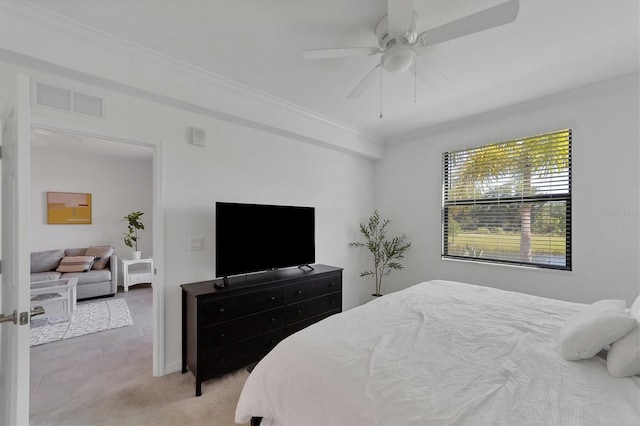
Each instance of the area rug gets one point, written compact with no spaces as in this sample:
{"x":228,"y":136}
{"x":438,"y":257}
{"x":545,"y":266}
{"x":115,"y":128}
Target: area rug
{"x":88,"y":318}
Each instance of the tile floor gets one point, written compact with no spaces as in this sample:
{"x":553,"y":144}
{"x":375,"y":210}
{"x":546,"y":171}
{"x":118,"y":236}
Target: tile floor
{"x":85,"y":367}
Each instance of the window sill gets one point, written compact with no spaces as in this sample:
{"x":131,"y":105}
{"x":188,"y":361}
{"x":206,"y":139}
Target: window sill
{"x":506,"y":265}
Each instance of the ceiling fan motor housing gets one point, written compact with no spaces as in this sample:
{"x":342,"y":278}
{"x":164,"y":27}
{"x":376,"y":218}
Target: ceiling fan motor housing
{"x":397,"y":52}
{"x":387,"y":40}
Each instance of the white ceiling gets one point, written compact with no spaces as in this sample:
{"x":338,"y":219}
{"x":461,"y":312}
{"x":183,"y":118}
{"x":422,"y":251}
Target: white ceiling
{"x":554,"y":45}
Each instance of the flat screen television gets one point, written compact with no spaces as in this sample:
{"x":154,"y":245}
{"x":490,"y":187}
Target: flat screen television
{"x":257,"y":237}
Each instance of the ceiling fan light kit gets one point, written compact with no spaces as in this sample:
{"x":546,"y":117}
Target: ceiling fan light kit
{"x":400,"y":44}
{"x":398,"y":59}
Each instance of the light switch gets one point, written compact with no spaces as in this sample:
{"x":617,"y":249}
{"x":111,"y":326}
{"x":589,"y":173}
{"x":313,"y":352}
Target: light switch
{"x":196,"y":243}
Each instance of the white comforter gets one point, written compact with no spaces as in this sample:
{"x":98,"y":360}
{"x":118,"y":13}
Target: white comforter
{"x":437,"y":353}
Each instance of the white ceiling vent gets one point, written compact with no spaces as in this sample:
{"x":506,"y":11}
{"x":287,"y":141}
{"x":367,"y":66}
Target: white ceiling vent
{"x":68,"y":100}
{"x":87,"y":104}
{"x":54,"y":97}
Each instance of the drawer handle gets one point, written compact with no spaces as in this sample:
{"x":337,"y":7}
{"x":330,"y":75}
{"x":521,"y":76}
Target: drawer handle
{"x":332,"y":285}
{"x":222,"y":310}
{"x":331,"y":301}
{"x":273,"y":320}
{"x":221,"y":360}
{"x":299,"y":292}
{"x":273,"y":298}
{"x":299,"y":311}
{"x":221,"y":334}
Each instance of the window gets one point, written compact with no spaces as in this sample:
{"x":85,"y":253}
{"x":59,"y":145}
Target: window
{"x":509,"y":202}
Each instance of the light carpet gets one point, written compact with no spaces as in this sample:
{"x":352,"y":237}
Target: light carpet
{"x":88,"y":318}
{"x":166,"y":400}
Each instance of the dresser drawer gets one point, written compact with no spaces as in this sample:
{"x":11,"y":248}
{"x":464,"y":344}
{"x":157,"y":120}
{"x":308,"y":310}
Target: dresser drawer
{"x":240,"y":329}
{"x":297,"y":326}
{"x":310,"y":308}
{"x":231,"y":357}
{"x":313,"y":288}
{"x":225,"y":309}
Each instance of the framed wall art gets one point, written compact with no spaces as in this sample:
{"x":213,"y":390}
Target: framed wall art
{"x":68,"y":208}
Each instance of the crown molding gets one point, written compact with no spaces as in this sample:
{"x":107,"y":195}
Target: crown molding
{"x":81,"y":33}
{"x":623,"y":83}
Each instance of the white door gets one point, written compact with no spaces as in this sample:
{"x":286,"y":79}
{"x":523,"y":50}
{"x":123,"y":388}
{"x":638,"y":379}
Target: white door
{"x":14,"y":354}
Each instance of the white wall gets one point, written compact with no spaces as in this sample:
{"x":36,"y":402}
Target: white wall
{"x":117,"y":186}
{"x":605,"y":123}
{"x":238,"y":164}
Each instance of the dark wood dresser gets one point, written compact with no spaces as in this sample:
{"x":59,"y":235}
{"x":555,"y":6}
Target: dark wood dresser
{"x":226,"y":329}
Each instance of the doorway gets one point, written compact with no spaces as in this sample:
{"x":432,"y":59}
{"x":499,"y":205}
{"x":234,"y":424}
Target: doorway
{"x":88,"y":366}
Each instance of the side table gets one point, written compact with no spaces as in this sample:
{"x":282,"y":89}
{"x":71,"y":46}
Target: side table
{"x":137,"y":276}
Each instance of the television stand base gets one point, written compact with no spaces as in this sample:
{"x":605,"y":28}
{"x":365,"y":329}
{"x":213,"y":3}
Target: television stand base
{"x":306,"y":266}
{"x":223,"y":284}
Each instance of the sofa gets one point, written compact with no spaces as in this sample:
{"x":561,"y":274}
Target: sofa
{"x":99,"y":276}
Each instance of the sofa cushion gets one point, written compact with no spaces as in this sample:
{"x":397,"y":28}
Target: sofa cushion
{"x":93,"y":276}
{"x":43,"y":261}
{"x":75,"y":264}
{"x":102,"y":255}
{"x":45,"y":276}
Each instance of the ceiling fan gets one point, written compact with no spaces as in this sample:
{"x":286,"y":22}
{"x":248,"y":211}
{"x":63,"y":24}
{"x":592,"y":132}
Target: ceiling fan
{"x":399,"y":43}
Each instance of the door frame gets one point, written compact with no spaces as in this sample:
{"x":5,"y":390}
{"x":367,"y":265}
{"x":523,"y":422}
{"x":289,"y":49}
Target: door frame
{"x":15,"y":353}
{"x":158,"y":287}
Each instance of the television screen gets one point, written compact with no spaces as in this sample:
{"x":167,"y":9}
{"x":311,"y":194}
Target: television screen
{"x":255,"y":237}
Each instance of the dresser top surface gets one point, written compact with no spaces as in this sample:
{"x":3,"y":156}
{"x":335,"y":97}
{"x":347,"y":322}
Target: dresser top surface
{"x":264,"y":279}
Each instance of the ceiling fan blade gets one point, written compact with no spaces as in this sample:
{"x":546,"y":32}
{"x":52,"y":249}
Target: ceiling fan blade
{"x":364,"y":84}
{"x":427,"y":72}
{"x":399,"y":16}
{"x":489,"y":18}
{"x":339,"y":52}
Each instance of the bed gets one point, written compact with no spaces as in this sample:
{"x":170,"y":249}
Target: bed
{"x":438,"y":353}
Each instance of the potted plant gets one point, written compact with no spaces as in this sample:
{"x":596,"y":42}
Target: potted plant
{"x":130,"y":237}
{"x":386,"y":252}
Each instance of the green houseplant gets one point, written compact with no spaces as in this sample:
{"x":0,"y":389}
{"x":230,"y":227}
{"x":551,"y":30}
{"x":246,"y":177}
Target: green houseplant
{"x":386,"y":252}
{"x":130,"y":237}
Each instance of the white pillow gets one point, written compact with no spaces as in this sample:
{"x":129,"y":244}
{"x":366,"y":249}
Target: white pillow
{"x":635,"y":309}
{"x":593,"y":328}
{"x":623,"y":359}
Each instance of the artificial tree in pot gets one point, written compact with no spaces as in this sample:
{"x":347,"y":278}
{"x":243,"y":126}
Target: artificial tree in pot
{"x":130,"y":237}
{"x":386,"y":252}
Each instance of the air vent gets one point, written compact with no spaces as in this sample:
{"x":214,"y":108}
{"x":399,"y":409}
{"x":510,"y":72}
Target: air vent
{"x":54,"y":97}
{"x":87,"y":104}
{"x":69,"y":100}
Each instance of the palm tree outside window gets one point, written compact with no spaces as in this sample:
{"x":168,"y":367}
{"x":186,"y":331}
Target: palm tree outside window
{"x":510,"y":202}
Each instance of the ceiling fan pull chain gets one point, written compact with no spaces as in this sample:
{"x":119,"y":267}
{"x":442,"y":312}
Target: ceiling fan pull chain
{"x":380,"y":92}
{"x":415,"y":83}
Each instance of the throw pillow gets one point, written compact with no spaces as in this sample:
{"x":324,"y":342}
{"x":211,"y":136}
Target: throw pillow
{"x":623,"y":359}
{"x":101,"y":254}
{"x":593,"y":328}
{"x":75,"y":264}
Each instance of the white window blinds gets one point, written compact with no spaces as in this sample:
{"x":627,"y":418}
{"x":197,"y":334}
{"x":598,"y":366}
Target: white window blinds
{"x":510,"y":202}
